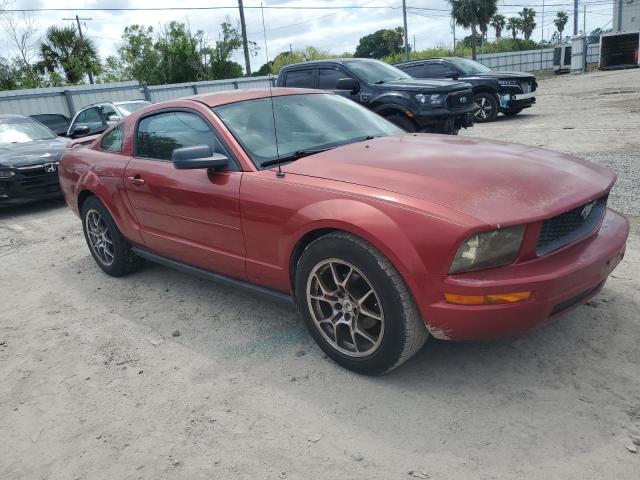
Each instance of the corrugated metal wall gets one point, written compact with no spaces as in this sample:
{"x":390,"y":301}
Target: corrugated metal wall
{"x":68,"y":100}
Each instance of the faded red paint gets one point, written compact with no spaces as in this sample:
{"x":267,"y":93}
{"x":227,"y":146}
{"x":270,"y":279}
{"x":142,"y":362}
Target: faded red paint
{"x":415,"y":197}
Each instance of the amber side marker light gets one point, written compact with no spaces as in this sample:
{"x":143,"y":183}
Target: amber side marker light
{"x":492,"y":299}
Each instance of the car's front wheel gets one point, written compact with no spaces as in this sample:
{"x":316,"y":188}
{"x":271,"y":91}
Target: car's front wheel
{"x":356,"y":305}
{"x":485,"y":107}
{"x":107,"y":245}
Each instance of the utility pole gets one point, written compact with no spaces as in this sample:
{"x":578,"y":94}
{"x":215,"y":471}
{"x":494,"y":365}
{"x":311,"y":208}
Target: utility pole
{"x":584,"y":18}
{"x":542,"y":20}
{"x":77,"y":19}
{"x":575,"y":17}
{"x":453,"y":29}
{"x":245,"y":45}
{"x":406,"y":33}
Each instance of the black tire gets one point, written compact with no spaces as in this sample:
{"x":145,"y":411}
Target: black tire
{"x":122,"y":260}
{"x":511,"y":113}
{"x":486,"y":107}
{"x":403,"y":122}
{"x":402,"y":332}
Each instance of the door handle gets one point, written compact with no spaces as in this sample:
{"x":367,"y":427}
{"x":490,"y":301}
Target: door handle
{"x":136,"y":180}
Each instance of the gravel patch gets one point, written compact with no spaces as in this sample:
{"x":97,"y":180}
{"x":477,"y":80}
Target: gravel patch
{"x":625,"y":196}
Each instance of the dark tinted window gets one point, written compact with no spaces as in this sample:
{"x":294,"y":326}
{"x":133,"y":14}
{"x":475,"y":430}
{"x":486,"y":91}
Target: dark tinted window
{"x":416,"y":71}
{"x":57,"y":123}
{"x":107,"y":111}
{"x":159,"y":135}
{"x":92,"y":115}
{"x":300,"y":78}
{"x":328,"y":78}
{"x":112,"y":141}
{"x":439,"y":70}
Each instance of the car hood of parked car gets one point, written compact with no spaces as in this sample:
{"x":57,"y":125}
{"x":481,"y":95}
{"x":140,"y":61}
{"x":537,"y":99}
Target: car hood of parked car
{"x":494,"y":182}
{"x":32,"y":153}
{"x":420,"y":85}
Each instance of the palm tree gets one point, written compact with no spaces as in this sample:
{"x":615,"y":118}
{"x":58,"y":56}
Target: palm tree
{"x":513,"y":24}
{"x":561,"y":21}
{"x":62,"y":49}
{"x":498,"y":22}
{"x":472,"y":14}
{"x":527,"y":24}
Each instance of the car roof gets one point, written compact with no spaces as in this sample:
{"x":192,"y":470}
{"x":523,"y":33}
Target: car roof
{"x":311,"y":63}
{"x":125,"y":102}
{"x":224,"y":97}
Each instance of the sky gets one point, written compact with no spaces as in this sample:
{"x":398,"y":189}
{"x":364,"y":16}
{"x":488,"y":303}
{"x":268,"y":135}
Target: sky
{"x":331,"y":25}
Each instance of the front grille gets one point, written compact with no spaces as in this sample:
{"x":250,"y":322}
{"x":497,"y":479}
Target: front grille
{"x":570,"y":226}
{"x":35,"y":180}
{"x":573,"y":301}
{"x":460,"y":100}
{"x":525,"y":86}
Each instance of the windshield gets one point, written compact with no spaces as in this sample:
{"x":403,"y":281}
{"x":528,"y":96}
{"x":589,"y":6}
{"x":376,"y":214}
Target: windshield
{"x":304,"y":122}
{"x":373,"y":71}
{"x":22,"y":130}
{"x":469,"y":67}
{"x":129,"y":108}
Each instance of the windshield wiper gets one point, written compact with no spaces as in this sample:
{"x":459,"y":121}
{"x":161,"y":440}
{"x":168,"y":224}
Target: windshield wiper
{"x":295,"y":156}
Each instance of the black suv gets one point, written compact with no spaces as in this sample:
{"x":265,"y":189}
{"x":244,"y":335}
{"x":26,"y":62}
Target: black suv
{"x":440,"y":106}
{"x":493,"y":92}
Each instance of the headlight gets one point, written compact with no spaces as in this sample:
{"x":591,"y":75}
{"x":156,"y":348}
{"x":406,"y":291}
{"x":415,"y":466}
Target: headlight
{"x":6,"y":173}
{"x":430,"y":99}
{"x":488,"y":249}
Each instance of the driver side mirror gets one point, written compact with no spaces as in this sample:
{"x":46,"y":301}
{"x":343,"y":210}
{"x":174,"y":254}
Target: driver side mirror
{"x":350,"y":84}
{"x":80,"y":131}
{"x":454,"y":75}
{"x":198,"y":156}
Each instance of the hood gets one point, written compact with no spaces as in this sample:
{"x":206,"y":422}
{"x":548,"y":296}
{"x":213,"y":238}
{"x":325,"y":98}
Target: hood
{"x":495,"y":182}
{"x":424,"y":85}
{"x":507,"y":75}
{"x":32,"y":153}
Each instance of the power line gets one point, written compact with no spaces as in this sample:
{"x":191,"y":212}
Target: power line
{"x":152,"y":9}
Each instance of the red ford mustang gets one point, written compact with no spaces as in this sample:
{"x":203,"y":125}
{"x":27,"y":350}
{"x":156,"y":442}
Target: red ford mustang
{"x":380,"y":237}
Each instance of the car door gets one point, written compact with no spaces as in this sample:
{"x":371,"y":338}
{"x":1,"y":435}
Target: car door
{"x":438,"y":70}
{"x":192,"y":216}
{"x":90,"y":118}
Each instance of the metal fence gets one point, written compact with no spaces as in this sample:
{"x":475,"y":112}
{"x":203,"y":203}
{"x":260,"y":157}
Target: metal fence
{"x":530,"y":60}
{"x":68,"y":100}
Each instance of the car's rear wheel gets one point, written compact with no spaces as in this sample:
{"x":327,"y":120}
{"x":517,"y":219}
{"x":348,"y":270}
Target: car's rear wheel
{"x":485,"y":107}
{"x":403,"y":122}
{"x":108,"y":247}
{"x":356,"y":305}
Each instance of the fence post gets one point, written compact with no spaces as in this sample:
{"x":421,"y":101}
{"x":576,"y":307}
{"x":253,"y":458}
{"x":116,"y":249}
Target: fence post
{"x":195,"y":89}
{"x":273,"y":81}
{"x":145,"y":90}
{"x":69,"y":98}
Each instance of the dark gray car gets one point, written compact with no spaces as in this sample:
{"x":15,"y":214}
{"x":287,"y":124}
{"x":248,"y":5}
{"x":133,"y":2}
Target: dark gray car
{"x":29,"y":156}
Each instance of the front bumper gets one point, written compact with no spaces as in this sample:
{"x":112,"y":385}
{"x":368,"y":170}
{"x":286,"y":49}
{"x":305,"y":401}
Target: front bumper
{"x":558,"y":282}
{"x":30,"y":184}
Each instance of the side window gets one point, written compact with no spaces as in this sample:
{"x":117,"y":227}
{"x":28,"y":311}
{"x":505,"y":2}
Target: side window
{"x":80,"y":119}
{"x":300,"y":78}
{"x":92,"y":115}
{"x":328,"y":78}
{"x":416,"y":71}
{"x":107,"y":111}
{"x":438,"y":70}
{"x":159,"y":135}
{"x":112,"y":141}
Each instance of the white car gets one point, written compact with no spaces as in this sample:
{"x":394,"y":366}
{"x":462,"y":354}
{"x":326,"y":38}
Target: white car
{"x":96,"y":118}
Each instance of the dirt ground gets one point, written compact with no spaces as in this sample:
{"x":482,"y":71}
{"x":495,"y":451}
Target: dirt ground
{"x":94,"y":385}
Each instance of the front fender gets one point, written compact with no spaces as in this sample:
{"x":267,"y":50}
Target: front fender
{"x":363,"y":220}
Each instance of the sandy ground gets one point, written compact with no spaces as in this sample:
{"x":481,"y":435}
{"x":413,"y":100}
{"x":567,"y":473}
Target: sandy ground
{"x":93,"y":384}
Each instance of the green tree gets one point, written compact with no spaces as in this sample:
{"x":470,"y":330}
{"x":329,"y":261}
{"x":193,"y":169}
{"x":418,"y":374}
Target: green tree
{"x":178,"y":52}
{"x":527,"y":22}
{"x":498,"y":22}
{"x":216,"y":58}
{"x":63,"y":51}
{"x":306,"y":54}
{"x":561,"y":21}
{"x":513,"y":24}
{"x":380,"y":44}
{"x":473,"y":14}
